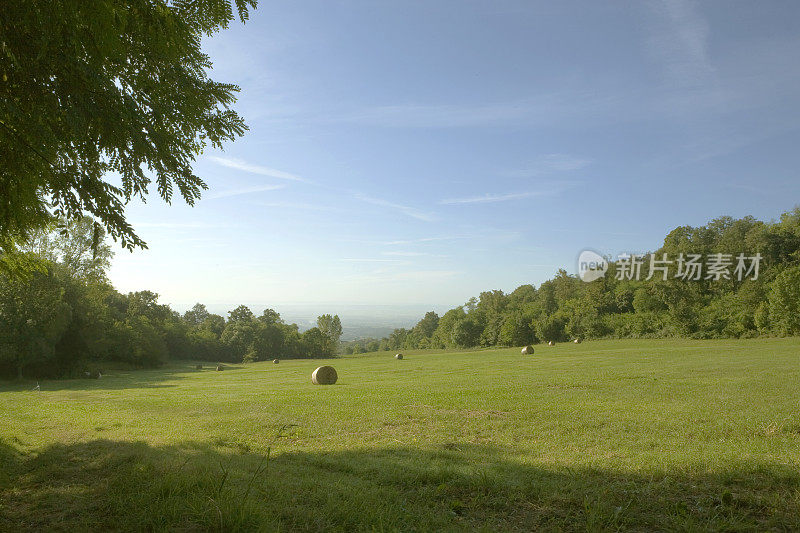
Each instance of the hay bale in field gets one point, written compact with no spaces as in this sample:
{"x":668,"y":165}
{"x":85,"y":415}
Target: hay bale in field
{"x":324,"y":375}
{"x":577,"y":341}
{"x":275,"y":361}
{"x":528,"y":350}
{"x":551,"y":343}
{"x":220,"y":368}
{"x":198,"y":367}
{"x":398,"y":356}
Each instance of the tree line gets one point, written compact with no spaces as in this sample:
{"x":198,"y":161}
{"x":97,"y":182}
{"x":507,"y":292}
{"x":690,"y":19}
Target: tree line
{"x":615,"y":306}
{"x":61,"y":317}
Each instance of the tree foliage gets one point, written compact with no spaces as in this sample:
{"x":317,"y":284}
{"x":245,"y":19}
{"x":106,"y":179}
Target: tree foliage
{"x":101,"y":88}
{"x":33,"y":316}
{"x":784,"y":302}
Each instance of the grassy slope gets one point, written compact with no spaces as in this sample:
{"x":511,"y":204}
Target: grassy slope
{"x":603,"y":435}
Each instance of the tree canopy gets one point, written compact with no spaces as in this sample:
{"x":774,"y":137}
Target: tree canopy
{"x":101,"y":99}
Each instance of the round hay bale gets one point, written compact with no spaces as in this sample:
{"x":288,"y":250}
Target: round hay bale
{"x":220,"y":368}
{"x":528,"y":350}
{"x":324,"y":375}
{"x":577,"y":341}
{"x":275,"y":361}
{"x":398,"y":356}
{"x":551,"y":343}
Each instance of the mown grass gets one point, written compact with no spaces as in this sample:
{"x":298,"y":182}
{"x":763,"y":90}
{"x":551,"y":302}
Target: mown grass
{"x":607,"y":435}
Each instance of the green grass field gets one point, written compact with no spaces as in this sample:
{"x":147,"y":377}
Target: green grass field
{"x":607,"y":435}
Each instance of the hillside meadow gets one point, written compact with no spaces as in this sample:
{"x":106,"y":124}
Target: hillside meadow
{"x":604,"y":435}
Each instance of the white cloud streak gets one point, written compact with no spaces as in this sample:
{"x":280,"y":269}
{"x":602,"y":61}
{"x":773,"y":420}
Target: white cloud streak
{"x":426,"y":275}
{"x":411,"y":254}
{"x":356,"y":260}
{"x":243,"y":190}
{"x":457,"y":116}
{"x":426,"y":240}
{"x":552,"y":164}
{"x":490,"y":198}
{"x":181,"y":225}
{"x":679,"y":40}
{"x":421,"y":276}
{"x":412,"y":212}
{"x":261,"y":170}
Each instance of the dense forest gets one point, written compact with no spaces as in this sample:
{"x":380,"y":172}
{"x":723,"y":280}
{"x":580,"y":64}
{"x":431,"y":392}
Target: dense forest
{"x":718,"y":304}
{"x":60,"y":317}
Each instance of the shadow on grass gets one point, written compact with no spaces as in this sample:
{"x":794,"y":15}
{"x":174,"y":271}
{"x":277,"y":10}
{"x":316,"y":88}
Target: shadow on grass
{"x":115,"y":379}
{"x":106,"y":485}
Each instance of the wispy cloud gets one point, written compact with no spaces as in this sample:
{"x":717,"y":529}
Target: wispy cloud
{"x":426,"y":275}
{"x":545,"y":108}
{"x":679,"y":40}
{"x":764,"y":191}
{"x":552,"y":164}
{"x":300,"y":206}
{"x":181,"y":225}
{"x":412,"y":212}
{"x":382,"y":276}
{"x":583,"y":231}
{"x":491,"y":198}
{"x":261,"y":170}
{"x":411,"y":254}
{"x":243,"y":190}
{"x":426,"y":240}
{"x":357,"y":260}
{"x":443,"y":116}
{"x":400,"y":242}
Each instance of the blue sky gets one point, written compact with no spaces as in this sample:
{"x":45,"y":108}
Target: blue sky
{"x":421,"y":152}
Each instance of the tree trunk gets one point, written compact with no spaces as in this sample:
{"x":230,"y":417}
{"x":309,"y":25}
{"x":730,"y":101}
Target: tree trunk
{"x":19,"y":371}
